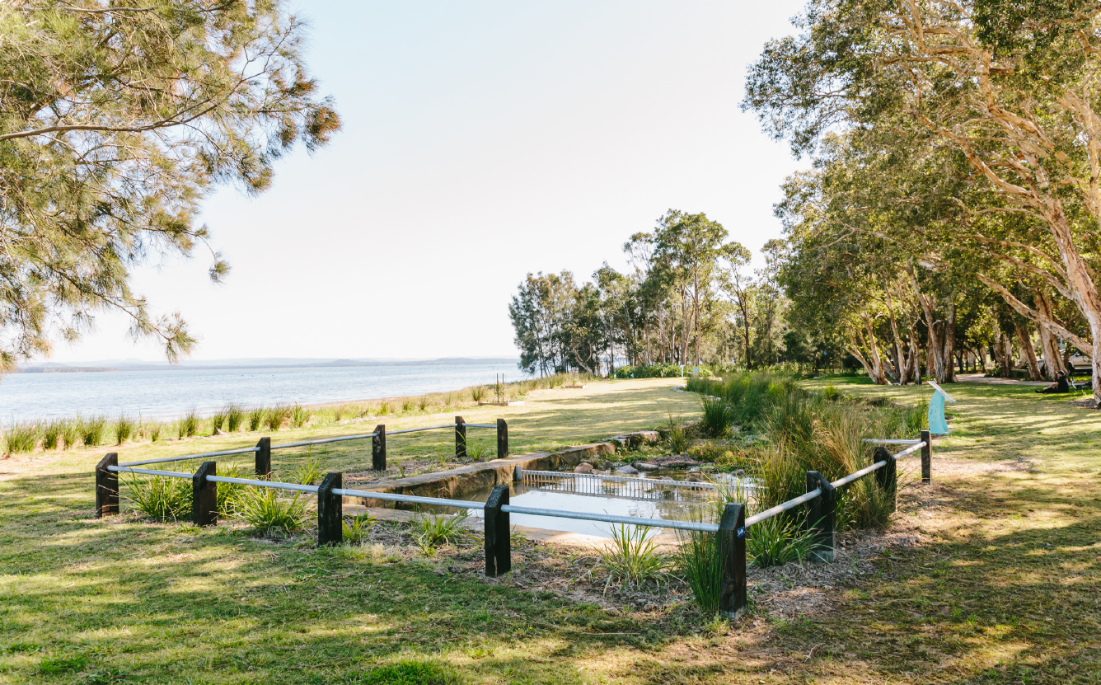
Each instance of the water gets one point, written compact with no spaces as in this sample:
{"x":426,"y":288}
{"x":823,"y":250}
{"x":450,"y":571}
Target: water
{"x":171,"y":392}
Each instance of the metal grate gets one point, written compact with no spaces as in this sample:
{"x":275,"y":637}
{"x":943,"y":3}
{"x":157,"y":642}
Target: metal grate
{"x":626,"y":487}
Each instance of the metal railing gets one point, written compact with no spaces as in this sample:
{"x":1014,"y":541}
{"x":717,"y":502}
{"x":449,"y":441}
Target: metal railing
{"x":600,"y":485}
{"x":821,"y":499}
{"x":264,"y":448}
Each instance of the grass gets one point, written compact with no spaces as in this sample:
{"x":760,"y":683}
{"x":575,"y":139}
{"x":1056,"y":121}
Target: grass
{"x":271,"y":512}
{"x":159,"y":497}
{"x":432,"y":530}
{"x":355,"y":531}
{"x":235,"y":418}
{"x":632,"y":559}
{"x":53,"y":434}
{"x":277,"y":416}
{"x":256,"y":418}
{"x":778,"y":541}
{"x":92,"y":430}
{"x":21,"y":437}
{"x":700,"y":562}
{"x":125,"y":428}
{"x":188,"y":425}
{"x":1001,"y":587}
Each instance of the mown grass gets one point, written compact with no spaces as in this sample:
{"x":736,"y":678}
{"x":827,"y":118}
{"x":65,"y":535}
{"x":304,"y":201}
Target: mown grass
{"x":1002,"y":589}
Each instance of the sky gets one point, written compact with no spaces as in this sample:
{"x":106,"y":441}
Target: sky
{"x":481,"y":141}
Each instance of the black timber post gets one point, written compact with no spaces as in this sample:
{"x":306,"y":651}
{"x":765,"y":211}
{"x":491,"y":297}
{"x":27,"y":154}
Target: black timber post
{"x":502,"y":439}
{"x":822,"y":517}
{"x":460,"y":438}
{"x":927,"y":457}
{"x":886,"y":477}
{"x":107,"y":486}
{"x":204,"y":495}
{"x":731,"y":540}
{"x":378,"y":448}
{"x":263,"y":458}
{"x":330,"y":511}
{"x":498,"y":544}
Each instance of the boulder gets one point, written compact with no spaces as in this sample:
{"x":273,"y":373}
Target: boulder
{"x":627,"y":470}
{"x":583,"y":467}
{"x":645,"y":466}
{"x":693,"y":479}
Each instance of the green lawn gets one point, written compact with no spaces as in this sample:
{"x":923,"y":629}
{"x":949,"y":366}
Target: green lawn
{"x":1003,"y":585}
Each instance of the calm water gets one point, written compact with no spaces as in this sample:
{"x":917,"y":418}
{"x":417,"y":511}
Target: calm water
{"x":164,"y":394}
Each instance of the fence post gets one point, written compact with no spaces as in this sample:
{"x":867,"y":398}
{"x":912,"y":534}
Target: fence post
{"x":927,"y":457}
{"x":107,"y":486}
{"x":378,"y":448}
{"x":330,"y":511}
{"x":263,"y":458}
{"x":498,"y":545}
{"x":822,"y":517}
{"x":731,"y":541}
{"x":502,"y":439}
{"x":886,"y":477}
{"x":460,"y":438}
{"x":204,"y":495}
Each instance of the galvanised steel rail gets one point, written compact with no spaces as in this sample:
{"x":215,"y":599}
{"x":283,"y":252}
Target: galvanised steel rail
{"x":731,"y":529}
{"x":425,"y":428}
{"x":162,"y":460}
{"x":323,"y":441}
{"x":892,"y":442}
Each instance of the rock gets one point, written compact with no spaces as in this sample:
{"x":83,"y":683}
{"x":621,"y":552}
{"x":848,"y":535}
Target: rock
{"x":583,"y":467}
{"x":740,"y":473}
{"x":606,"y":466}
{"x":665,"y":478}
{"x":627,"y":470}
{"x":693,"y":479}
{"x":645,"y":466}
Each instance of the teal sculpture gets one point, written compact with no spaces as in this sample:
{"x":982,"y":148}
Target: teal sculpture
{"x":937,"y":424}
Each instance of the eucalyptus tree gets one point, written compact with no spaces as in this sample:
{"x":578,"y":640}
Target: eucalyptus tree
{"x":1012,"y":88}
{"x":115,"y":122}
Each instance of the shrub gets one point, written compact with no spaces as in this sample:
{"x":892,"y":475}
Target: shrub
{"x":125,"y":428}
{"x":52,"y":434}
{"x":632,"y":559}
{"x":831,"y":393}
{"x":160,"y":497}
{"x":478,"y":393}
{"x":300,"y":416}
{"x":256,"y":418}
{"x":265,"y":510}
{"x":431,"y":530}
{"x":92,"y":430}
{"x":478,"y":451}
{"x":676,"y":436}
{"x":235,"y":418}
{"x":21,"y":437}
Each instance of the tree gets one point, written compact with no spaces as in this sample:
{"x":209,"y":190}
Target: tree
{"x":738,"y":282}
{"x":1012,"y":89}
{"x":115,"y":122}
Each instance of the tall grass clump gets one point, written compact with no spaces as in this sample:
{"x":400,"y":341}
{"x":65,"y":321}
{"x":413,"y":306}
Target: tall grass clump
{"x":265,"y":510}
{"x":478,"y":393}
{"x":277,"y":416}
{"x":300,"y":415}
{"x":676,"y":436}
{"x":125,"y":428}
{"x":155,"y":431}
{"x":407,"y":405}
{"x":92,"y":430}
{"x":256,"y":418}
{"x":230,"y":494}
{"x":235,"y":418}
{"x":718,"y":415}
{"x":21,"y":437}
{"x":632,"y":559}
{"x":217,"y":420}
{"x":53,"y":433}
{"x":778,"y":541}
{"x":431,"y":530}
{"x":160,"y":497}
{"x":700,"y":561}
{"x":188,"y":426}
{"x":70,"y":431}
{"x":422,"y":403}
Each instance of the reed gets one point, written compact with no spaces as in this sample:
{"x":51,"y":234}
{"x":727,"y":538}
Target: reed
{"x":383,"y":408}
{"x":308,"y":472}
{"x":188,"y":426}
{"x":256,"y":418}
{"x":277,"y":416}
{"x":53,"y":433}
{"x":217,"y":420}
{"x":422,"y":403}
{"x":92,"y":430}
{"x":235,"y":418}
{"x":407,"y":405}
{"x":300,"y":415}
{"x":230,"y":494}
{"x":155,"y":431}
{"x":125,"y":428}
{"x":478,"y":393}
{"x":676,"y":436}
{"x":70,"y":431}
{"x":632,"y":559}
{"x":718,"y":415}
{"x":701,"y":562}
{"x":21,"y":437}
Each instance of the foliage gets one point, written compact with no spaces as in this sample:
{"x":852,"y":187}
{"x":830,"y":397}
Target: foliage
{"x":235,"y":417}
{"x":632,"y":559}
{"x":701,"y":562}
{"x":159,"y":497}
{"x":21,"y":437}
{"x":270,"y":513}
{"x":659,"y":371}
{"x":478,"y":393}
{"x":125,"y":428}
{"x":217,"y":420}
{"x":676,"y":436}
{"x":53,"y":432}
{"x":256,"y":418}
{"x":410,"y":672}
{"x":188,"y":425}
{"x":358,"y":528}
{"x":777,"y":541}
{"x":277,"y":416}
{"x":230,"y":494}
{"x":300,"y":416}
{"x":718,"y":415}
{"x":308,"y":472}
{"x":431,"y":530}
{"x":92,"y":430}
{"x":109,"y":155}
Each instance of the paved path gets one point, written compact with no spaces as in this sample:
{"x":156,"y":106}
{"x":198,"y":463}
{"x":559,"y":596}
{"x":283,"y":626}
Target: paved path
{"x":979,"y":378}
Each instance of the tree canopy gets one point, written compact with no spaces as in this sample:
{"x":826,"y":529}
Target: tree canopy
{"x":115,"y":123}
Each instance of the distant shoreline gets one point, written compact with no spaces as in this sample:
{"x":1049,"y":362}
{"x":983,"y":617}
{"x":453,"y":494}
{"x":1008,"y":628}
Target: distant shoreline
{"x":337,"y":363}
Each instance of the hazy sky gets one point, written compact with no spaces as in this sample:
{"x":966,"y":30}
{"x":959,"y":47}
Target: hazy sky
{"x":481,"y":141}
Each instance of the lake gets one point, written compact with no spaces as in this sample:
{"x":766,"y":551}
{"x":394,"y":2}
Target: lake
{"x":163,"y":394}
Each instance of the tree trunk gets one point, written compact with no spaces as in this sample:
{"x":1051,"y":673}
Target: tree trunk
{"x":1029,"y":352}
{"x":950,"y":343}
{"x":1049,"y":345}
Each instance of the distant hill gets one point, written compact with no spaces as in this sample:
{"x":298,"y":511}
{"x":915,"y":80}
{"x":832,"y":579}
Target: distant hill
{"x":136,"y":365}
